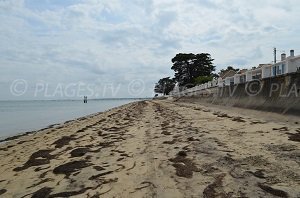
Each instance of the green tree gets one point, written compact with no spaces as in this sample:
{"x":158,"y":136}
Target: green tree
{"x":164,"y":86}
{"x":202,"y":79}
{"x":187,"y":67}
{"x":229,"y":68}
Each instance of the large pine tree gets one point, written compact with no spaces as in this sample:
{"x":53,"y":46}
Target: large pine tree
{"x":187,"y":67}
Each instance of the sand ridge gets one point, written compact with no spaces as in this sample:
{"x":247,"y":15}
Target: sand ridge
{"x":155,"y":149}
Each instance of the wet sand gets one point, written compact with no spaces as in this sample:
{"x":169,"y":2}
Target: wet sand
{"x":157,"y":149}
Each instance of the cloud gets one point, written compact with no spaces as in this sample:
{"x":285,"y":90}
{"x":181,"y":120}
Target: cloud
{"x":116,"y":42}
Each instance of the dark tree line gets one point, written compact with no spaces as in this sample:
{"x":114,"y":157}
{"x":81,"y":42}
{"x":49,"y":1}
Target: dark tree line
{"x":190,"y":70}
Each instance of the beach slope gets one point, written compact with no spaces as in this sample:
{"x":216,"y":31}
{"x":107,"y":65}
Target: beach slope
{"x":156,"y":149}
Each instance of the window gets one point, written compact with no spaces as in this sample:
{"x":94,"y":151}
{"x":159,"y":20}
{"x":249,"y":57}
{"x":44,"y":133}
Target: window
{"x":278,"y":70}
{"x":274,"y":70}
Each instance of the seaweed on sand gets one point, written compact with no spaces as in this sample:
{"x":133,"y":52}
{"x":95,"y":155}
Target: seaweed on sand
{"x":184,"y":166}
{"x":38,"y":158}
{"x":70,"y":167}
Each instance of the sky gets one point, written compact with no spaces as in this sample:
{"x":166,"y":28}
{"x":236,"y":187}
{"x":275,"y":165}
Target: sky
{"x":54,"y":49}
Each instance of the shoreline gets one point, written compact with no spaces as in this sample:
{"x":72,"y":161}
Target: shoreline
{"x":51,"y":126}
{"x":156,"y":148}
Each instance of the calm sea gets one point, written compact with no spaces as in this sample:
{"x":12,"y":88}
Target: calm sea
{"x":22,"y":116}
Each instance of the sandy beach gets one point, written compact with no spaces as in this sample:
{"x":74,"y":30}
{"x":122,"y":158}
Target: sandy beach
{"x":157,"y":148}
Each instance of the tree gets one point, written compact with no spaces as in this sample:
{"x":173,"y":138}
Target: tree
{"x":187,"y":67}
{"x":229,"y":68}
{"x":164,"y":86}
{"x":202,"y":79}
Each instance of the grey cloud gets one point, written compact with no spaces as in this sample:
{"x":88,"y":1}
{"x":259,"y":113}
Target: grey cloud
{"x":207,"y":3}
{"x":165,"y":18}
{"x":116,"y":41}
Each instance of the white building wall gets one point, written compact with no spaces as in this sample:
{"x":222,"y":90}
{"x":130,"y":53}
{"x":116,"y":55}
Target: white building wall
{"x":220,"y":82}
{"x":248,"y":76}
{"x":266,"y":71}
{"x":257,"y":73}
{"x":237,"y":79}
{"x":214,"y":83}
{"x":227,"y":81}
{"x":292,"y":65}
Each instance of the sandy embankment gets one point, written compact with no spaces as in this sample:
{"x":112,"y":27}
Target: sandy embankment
{"x":157,"y":149}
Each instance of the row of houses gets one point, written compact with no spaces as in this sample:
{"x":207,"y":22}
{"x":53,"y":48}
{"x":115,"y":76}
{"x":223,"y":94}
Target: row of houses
{"x":286,"y":65}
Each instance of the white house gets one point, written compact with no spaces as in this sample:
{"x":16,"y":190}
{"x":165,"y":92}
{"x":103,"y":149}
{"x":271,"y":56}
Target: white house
{"x":237,"y":79}
{"x":205,"y":85}
{"x":266,"y":71}
{"x":229,"y":81}
{"x":293,"y":63}
{"x":287,"y":64}
{"x":279,"y":68}
{"x":242,"y":76}
{"x":248,"y":75}
{"x":221,"y":82}
{"x":257,"y":73}
{"x":214,"y":83}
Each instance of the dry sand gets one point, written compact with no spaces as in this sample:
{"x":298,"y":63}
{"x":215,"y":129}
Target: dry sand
{"x":157,"y":149}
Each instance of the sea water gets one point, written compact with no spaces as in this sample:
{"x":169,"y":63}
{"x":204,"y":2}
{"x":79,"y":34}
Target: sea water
{"x":22,"y":116}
